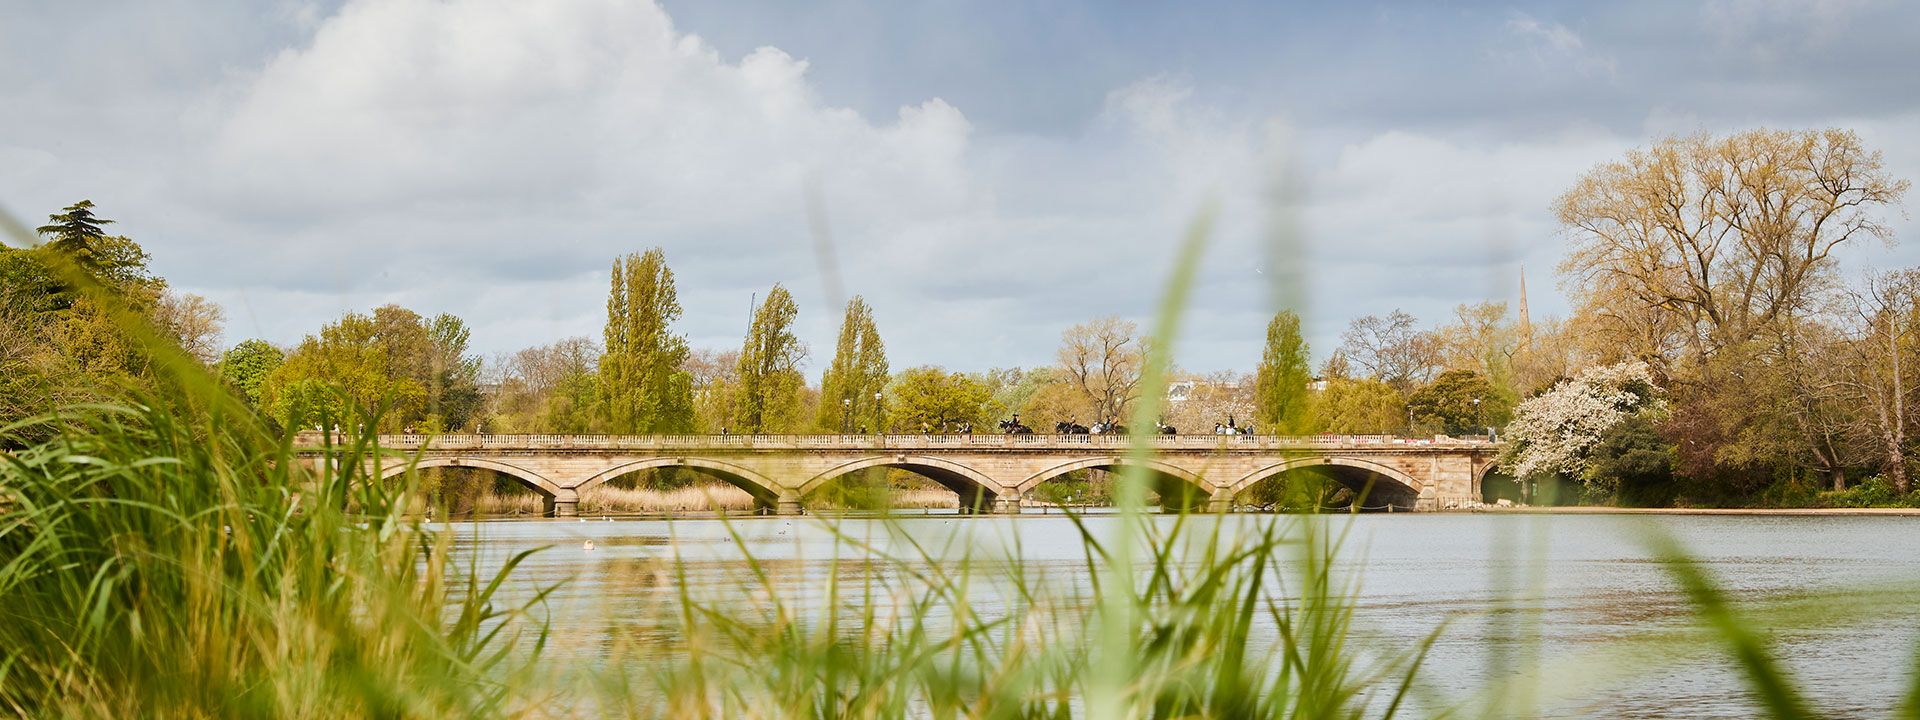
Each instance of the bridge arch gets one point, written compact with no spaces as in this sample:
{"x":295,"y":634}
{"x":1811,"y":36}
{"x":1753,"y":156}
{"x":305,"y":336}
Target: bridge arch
{"x":1491,"y":483}
{"x":1391,"y":484}
{"x":1170,"y":477}
{"x":759,"y":486}
{"x":533,"y":480}
{"x":976,"y":489}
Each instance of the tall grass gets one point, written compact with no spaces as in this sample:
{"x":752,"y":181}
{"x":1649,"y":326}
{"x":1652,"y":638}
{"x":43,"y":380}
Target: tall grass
{"x":898,"y":629}
{"x":163,"y":564}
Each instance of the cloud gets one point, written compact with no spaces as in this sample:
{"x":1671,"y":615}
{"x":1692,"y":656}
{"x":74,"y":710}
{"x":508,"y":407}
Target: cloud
{"x":490,"y":158}
{"x":1551,"y":44}
{"x":1770,"y":29}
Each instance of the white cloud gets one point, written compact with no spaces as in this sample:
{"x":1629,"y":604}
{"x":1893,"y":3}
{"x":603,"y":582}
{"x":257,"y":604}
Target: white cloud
{"x":466,"y":148}
{"x":1553,"y":34}
{"x":1552,"y":45}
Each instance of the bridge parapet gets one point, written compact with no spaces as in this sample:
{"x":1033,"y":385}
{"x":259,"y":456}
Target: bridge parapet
{"x":1197,"y":442}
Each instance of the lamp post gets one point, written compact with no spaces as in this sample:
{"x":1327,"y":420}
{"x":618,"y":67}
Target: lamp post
{"x":846,"y":414}
{"x":1476,"y":412}
{"x":879,"y":424}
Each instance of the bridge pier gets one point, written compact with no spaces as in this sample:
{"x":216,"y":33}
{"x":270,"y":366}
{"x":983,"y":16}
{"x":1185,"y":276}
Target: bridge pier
{"x":787,"y":505}
{"x":564,"y":504}
{"x":1006,"y":506}
{"x":1221,"y":501}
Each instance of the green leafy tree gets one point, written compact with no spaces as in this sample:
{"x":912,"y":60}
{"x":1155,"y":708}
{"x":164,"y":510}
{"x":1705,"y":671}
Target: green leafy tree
{"x":248,"y":365}
{"x":1460,"y":402}
{"x":1359,"y":406}
{"x":348,"y":355}
{"x":1280,"y":385}
{"x":641,"y":381}
{"x":768,"y":375}
{"x":858,"y":372}
{"x":1633,"y":463}
{"x":78,"y":237}
{"x":453,"y":376}
{"x":931,"y":399}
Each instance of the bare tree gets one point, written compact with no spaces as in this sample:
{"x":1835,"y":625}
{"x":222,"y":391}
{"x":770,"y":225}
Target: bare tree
{"x":1103,"y":360}
{"x":1804,"y":377}
{"x":1392,"y":350}
{"x":193,"y":321}
{"x":1700,"y":243}
{"x":1876,"y":364}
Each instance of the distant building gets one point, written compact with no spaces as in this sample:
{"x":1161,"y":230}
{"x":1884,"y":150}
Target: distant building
{"x":1181,"y":391}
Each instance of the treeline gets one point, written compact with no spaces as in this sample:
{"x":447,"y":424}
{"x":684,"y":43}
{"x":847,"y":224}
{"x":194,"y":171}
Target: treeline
{"x":1723,"y":356}
{"x":1715,"y":354}
{"x":66,"y":306}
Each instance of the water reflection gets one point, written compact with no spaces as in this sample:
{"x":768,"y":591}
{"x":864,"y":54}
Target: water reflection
{"x":1604,"y":606}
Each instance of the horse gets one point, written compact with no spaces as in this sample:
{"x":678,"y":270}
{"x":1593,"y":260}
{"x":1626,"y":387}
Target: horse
{"x":1013,"y":427}
{"x":1166,"y":429}
{"x":1069,"y":428}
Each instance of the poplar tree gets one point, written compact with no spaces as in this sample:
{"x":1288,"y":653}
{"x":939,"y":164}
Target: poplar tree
{"x":642,"y":386}
{"x":769,"y":369}
{"x":858,"y":371}
{"x":1280,"y":386}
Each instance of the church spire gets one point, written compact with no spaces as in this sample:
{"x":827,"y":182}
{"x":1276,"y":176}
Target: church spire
{"x":1526,"y":325}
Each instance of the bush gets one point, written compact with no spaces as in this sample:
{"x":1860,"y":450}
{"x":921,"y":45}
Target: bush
{"x":1873,"y":492}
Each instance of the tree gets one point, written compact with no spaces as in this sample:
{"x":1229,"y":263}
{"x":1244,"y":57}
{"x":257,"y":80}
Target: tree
{"x":858,"y":372}
{"x":1875,"y":369}
{"x":1223,"y":396}
{"x":1359,"y":406}
{"x":769,"y":368}
{"x":1281,"y":381}
{"x":1483,"y":339}
{"x":193,"y":322}
{"x":1103,"y":360}
{"x":1391,"y":350}
{"x":433,"y":354}
{"x":1554,"y":433}
{"x":716,"y":388}
{"x":640,"y":377}
{"x":453,"y":376}
{"x":348,"y":357}
{"x":1460,"y":402}
{"x":247,"y":366}
{"x":933,"y":399}
{"x":1700,"y":243}
{"x":550,"y":388}
{"x":1053,"y":400}
{"x":1633,"y":463}
{"x":79,"y":236}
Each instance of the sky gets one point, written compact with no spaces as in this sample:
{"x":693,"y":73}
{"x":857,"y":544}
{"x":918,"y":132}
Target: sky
{"x":986,"y":174}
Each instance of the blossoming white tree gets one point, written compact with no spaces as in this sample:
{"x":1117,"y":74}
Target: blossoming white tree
{"x":1555,"y":432}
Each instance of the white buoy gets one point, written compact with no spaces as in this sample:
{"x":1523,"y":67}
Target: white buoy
{"x":588,"y":546}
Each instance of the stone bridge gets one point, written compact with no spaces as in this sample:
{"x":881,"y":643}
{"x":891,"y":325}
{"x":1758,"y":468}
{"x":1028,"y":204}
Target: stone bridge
{"x":991,"y":473}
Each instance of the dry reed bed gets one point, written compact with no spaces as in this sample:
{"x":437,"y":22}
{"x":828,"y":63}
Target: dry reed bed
{"x":695,"y":498}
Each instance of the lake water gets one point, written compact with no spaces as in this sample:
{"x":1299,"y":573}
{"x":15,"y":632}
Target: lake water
{"x":1820,"y":585}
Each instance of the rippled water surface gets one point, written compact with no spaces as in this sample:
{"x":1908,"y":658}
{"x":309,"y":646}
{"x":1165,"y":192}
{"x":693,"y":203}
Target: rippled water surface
{"x":1600,"y":597}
